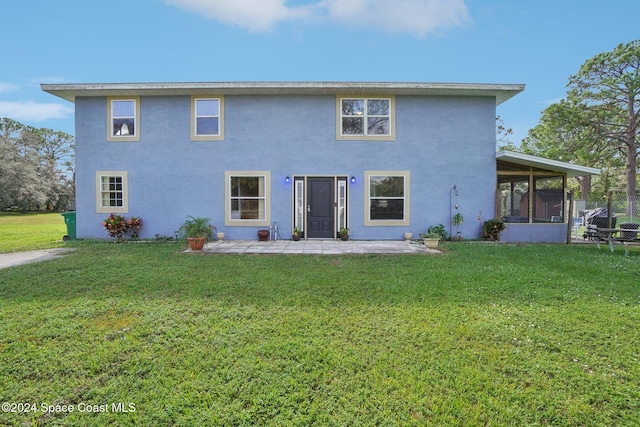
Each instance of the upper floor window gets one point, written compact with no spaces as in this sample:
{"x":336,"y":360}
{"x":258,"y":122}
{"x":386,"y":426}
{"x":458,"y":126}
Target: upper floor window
{"x":123,"y":120}
{"x":366,"y":118}
{"x":207,"y":118}
{"x":111,"y":192}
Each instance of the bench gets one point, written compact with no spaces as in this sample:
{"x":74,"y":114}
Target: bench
{"x":617,"y":235}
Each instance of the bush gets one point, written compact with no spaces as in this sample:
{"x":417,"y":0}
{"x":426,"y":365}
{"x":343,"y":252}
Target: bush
{"x":117,"y":225}
{"x":491,"y":230}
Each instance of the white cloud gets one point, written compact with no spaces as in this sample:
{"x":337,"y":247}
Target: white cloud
{"x":254,"y":15}
{"x":33,"y":111}
{"x":418,"y":17}
{"x":412,"y":16}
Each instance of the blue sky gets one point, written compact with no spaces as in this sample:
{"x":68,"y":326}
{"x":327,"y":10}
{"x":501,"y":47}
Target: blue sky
{"x":536,"y":42}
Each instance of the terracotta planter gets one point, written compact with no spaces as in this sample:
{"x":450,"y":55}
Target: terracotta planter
{"x":263,"y":235}
{"x":196,"y":243}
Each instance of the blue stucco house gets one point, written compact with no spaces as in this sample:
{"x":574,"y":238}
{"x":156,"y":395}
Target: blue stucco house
{"x":379,"y":158}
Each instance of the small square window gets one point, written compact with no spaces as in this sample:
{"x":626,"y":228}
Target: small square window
{"x":111,"y":192}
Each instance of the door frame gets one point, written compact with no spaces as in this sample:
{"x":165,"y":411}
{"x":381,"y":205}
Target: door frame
{"x":300,"y":202}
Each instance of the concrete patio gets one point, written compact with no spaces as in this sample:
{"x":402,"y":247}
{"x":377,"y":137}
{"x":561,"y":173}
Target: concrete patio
{"x":317,"y":247}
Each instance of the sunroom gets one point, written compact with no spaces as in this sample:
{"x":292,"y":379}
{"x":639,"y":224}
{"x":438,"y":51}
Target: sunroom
{"x":532,"y":199}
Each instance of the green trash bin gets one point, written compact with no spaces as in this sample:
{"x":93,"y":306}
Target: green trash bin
{"x":70,"y":221}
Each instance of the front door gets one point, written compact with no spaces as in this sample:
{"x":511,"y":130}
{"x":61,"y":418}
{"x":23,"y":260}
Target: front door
{"x":320,"y":208}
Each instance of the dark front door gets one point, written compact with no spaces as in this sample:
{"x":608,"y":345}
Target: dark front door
{"x":320,"y":210}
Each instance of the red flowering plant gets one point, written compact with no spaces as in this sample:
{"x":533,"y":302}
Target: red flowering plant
{"x":133,"y":226}
{"x":115,"y":225}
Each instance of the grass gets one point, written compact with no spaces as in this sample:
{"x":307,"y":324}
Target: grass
{"x":23,"y":232}
{"x":484,"y":334}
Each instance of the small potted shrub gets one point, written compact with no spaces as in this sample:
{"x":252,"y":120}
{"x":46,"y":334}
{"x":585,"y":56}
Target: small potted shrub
{"x":433,"y":235}
{"x":296,"y":234}
{"x":431,"y":239}
{"x":197,"y":231}
{"x":344,"y":234}
{"x":491,"y":230}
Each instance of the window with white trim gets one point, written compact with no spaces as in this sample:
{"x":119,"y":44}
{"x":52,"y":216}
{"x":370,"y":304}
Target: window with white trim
{"x":247,"y":198}
{"x":123,"y":119}
{"x":111,"y":192}
{"x":387,"y":201}
{"x":207,"y":118}
{"x":366,"y":118}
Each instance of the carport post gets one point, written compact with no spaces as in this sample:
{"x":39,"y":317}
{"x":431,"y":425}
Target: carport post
{"x":570,"y":217}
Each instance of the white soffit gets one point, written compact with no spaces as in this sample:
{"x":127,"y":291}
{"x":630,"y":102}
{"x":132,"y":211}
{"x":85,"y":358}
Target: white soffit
{"x":539,"y":162}
{"x":501,"y":92}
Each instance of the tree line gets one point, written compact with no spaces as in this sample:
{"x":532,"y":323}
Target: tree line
{"x":597,"y":124}
{"x":37,"y":169}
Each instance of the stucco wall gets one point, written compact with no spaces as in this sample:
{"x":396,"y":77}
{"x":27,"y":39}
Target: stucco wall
{"x":442,"y":141}
{"x":540,"y":233}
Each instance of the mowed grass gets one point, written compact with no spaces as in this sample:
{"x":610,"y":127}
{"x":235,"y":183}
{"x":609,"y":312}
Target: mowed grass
{"x":24,"y":232}
{"x":484,"y":334}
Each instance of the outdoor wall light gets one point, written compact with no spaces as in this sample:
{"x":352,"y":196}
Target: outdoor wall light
{"x":287,"y":179}
{"x":353,"y":179}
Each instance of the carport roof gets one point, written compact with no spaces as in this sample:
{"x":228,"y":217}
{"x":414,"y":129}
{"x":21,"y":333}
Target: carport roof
{"x":528,"y":160}
{"x":501,"y":92}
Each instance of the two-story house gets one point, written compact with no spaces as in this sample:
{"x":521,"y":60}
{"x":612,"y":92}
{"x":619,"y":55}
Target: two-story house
{"x":378,"y":158}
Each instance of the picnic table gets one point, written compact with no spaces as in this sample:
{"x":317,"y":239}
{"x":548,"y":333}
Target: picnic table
{"x":617,"y":235}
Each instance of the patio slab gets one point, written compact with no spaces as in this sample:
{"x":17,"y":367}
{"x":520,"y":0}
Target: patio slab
{"x":317,"y":247}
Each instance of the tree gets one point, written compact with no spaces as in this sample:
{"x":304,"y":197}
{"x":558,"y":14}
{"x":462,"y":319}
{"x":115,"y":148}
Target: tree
{"x":607,"y":87}
{"x":565,"y":133}
{"x":56,"y":151}
{"x":503,"y":136}
{"x":36,"y":167}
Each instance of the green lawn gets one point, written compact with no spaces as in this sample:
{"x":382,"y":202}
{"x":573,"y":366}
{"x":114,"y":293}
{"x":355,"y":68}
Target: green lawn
{"x":23,"y":232}
{"x":483,"y":334}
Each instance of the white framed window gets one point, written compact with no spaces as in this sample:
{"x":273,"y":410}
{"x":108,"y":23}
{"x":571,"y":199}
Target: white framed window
{"x":247,"y":198}
{"x":112,"y":192}
{"x":299,"y":200}
{"x":342,"y":203}
{"x":123,"y":121}
{"x":387,"y":198}
{"x":207,"y":118}
{"x":366,"y":118}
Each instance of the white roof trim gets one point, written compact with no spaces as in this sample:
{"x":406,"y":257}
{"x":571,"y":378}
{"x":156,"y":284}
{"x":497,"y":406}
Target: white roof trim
{"x":501,"y":92}
{"x":539,"y":162}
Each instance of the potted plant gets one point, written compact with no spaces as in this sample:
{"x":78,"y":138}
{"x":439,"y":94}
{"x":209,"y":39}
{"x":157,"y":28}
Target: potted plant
{"x":491,"y":229}
{"x":431,"y":239}
{"x":344,"y":234}
{"x":457,"y":220}
{"x":197,"y":231}
{"x":296,"y":234}
{"x":433,"y":235}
